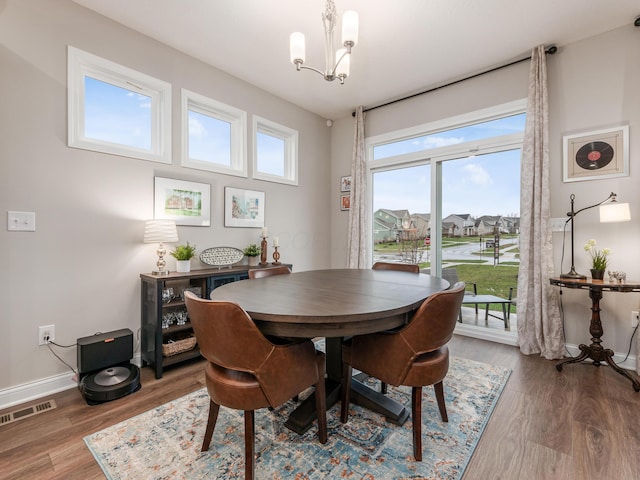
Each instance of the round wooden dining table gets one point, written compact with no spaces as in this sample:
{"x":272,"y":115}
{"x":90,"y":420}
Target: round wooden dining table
{"x":334,"y":304}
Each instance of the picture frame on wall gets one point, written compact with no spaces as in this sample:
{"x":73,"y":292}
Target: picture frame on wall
{"x":243,"y":208}
{"x":186,"y":203}
{"x":345,"y":202}
{"x":596,"y":155}
{"x":345,"y":183}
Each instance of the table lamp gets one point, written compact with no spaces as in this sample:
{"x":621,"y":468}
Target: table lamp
{"x":609,"y":213}
{"x":160,"y":231}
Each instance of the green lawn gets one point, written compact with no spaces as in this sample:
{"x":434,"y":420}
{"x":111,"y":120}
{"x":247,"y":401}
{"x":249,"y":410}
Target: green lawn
{"x":490,"y":280}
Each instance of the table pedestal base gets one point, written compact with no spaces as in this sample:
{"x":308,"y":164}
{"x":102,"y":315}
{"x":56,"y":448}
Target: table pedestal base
{"x":599,"y":354}
{"x":596,"y":351}
{"x":303,"y":416}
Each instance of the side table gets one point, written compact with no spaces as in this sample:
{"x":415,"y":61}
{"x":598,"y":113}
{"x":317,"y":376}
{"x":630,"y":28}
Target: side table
{"x":596,"y":351}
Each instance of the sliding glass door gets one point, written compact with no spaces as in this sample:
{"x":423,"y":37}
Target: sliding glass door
{"x":450,"y":201}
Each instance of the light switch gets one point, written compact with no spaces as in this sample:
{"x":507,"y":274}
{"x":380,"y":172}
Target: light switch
{"x":21,"y":221}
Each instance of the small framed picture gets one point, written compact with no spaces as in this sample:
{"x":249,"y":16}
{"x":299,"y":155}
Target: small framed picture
{"x":345,"y":183}
{"x":243,"y":208}
{"x":596,"y":155}
{"x":187,"y":203}
{"x":345,"y":202}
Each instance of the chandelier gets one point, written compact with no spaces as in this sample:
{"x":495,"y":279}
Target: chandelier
{"x":336,"y":64}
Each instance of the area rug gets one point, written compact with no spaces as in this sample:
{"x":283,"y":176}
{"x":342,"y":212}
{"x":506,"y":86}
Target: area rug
{"x":164,"y":443}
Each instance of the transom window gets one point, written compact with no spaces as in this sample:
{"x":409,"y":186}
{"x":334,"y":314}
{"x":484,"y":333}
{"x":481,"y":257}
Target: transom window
{"x":214,"y":135}
{"x":452,"y":136}
{"x":117,"y":110}
{"x":275,"y":157}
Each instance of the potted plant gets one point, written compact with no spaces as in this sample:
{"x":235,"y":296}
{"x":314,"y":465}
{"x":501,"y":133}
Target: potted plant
{"x":252,"y":252}
{"x":598,"y":259}
{"x":183,"y":254}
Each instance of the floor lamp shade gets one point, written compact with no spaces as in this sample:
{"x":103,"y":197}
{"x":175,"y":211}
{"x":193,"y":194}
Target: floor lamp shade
{"x":615,"y":212}
{"x":160,"y":231}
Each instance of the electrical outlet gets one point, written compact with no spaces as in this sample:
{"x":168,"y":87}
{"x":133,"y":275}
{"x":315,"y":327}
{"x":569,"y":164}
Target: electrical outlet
{"x":46,"y":334}
{"x":634,"y":318}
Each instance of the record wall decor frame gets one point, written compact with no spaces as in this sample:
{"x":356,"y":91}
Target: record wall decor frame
{"x":187,"y":203}
{"x":596,"y":155}
{"x":243,"y":208}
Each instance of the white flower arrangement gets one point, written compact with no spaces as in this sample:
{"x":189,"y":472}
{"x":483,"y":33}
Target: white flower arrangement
{"x":598,"y":257}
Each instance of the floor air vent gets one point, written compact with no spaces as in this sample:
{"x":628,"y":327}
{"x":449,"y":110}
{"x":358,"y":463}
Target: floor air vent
{"x":16,"y":415}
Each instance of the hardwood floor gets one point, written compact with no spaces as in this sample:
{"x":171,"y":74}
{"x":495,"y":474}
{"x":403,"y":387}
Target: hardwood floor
{"x":582,"y":423}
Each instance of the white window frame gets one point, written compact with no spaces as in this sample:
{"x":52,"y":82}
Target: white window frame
{"x":436,"y":156}
{"x":81,"y":64}
{"x":290,"y":138}
{"x":203,"y":105}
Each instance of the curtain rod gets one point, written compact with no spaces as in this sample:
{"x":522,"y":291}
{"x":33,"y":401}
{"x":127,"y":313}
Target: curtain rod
{"x":549,"y":51}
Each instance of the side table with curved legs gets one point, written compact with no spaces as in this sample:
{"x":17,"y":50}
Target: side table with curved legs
{"x":596,"y":351}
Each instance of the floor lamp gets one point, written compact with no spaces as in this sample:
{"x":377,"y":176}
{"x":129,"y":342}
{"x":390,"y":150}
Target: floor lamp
{"x":610,"y":211}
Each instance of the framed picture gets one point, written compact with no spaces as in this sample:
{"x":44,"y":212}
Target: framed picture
{"x":345,"y":183}
{"x":596,"y":155}
{"x":187,"y":203}
{"x":345,"y":202}
{"x":243,"y":208}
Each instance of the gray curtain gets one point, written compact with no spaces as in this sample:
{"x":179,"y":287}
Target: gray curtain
{"x":539,"y":323}
{"x":357,"y":246}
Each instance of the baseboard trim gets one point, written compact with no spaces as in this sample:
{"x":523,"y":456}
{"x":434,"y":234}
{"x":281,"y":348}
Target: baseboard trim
{"x":511,"y":338}
{"x":34,"y":390}
{"x":43,"y":387}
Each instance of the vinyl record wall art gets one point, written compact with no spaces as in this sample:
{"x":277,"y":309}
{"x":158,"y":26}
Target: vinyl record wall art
{"x":596,"y":155}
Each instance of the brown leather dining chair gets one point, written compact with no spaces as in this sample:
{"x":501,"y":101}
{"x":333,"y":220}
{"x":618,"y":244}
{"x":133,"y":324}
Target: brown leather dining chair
{"x":415,"y":355}
{"x":402,"y":267}
{"x":268,"y":271}
{"x":245,"y":371}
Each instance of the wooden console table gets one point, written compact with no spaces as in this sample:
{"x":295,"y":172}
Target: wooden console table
{"x":153,"y":336}
{"x":596,"y":351}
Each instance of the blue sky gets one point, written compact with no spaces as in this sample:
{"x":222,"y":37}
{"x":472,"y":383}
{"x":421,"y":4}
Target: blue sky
{"x":478,"y":185}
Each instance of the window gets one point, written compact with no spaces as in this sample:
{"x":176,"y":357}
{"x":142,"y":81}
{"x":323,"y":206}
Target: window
{"x":447,"y":195}
{"x":113,"y":109}
{"x":214,"y":135}
{"x":275,"y":152}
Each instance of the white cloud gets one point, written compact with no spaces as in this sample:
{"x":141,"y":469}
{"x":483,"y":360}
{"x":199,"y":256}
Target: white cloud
{"x":196,"y":128}
{"x":477,"y":174}
{"x":437,"y":142}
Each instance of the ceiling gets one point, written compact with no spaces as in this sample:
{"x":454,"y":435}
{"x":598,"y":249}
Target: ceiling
{"x":405,"y":46}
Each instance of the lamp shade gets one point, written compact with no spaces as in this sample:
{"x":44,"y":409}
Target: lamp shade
{"x":615,"y":212}
{"x":157,"y":231}
{"x":343,"y":67}
{"x":350,"y":28}
{"x":297,"y":47}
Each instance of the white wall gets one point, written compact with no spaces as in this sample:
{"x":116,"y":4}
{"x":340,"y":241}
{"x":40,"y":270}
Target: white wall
{"x":80,"y":269}
{"x":593,"y":84}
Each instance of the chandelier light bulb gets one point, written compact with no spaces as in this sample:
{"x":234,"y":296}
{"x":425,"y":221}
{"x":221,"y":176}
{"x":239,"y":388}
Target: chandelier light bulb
{"x":338,"y":69}
{"x":297,"y":47}
{"x":343,"y":64}
{"x":350,"y":29}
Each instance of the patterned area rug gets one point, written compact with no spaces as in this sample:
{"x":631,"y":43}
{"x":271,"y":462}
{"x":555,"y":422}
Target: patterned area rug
{"x":164,"y":443}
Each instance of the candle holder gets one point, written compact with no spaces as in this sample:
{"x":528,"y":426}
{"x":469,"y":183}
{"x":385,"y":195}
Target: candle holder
{"x":276,"y":256}
{"x":263,"y":252}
